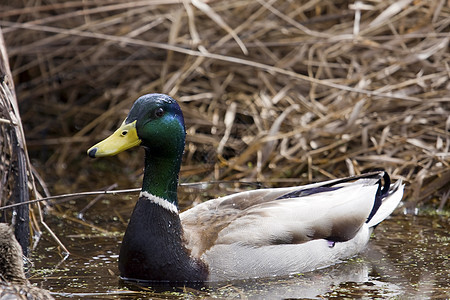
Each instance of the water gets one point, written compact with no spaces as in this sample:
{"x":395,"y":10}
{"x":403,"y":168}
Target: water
{"x":407,"y":258}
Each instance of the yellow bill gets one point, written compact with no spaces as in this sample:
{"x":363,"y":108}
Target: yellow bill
{"x":122,"y":139}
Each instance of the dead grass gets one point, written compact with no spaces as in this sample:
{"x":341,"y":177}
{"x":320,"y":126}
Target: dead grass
{"x":272,"y":91}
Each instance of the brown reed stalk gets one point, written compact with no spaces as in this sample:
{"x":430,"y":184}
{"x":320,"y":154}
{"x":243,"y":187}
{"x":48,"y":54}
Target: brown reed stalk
{"x":272,"y":91}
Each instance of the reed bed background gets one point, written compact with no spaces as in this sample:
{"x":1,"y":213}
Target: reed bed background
{"x":272,"y":91}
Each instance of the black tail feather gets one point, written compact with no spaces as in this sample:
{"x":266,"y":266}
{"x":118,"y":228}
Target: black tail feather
{"x":382,"y":192}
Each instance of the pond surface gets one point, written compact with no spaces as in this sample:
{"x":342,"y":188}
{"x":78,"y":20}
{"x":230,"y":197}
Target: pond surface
{"x":407,"y":258}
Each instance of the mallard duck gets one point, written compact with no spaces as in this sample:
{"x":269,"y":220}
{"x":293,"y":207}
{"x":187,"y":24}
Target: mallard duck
{"x":258,"y":233}
{"x":13,"y":283}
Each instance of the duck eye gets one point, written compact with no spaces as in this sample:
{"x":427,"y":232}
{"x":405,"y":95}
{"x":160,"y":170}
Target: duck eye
{"x":159,"y":112}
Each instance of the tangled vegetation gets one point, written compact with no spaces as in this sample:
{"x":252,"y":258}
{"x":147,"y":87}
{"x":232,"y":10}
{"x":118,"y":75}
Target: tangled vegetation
{"x":272,"y":91}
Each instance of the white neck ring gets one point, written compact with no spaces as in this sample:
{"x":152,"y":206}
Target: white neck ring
{"x":160,"y":201}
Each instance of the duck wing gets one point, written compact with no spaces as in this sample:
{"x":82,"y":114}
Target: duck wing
{"x":334,"y":210}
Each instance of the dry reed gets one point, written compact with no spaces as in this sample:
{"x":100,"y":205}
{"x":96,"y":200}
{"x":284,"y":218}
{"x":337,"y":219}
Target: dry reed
{"x":273,"y":91}
{"x":17,"y":176}
{"x":13,"y":167}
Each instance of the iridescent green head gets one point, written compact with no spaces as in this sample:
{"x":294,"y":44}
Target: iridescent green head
{"x":155,"y":121}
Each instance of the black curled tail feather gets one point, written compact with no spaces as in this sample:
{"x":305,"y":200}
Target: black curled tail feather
{"x":382,"y":192}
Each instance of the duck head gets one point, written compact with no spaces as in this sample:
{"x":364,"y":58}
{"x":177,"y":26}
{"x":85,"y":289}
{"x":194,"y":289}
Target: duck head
{"x":155,"y":122}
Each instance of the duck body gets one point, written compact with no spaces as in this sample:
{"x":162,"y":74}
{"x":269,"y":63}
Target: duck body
{"x":13,"y":283}
{"x":11,"y":262}
{"x":282,"y":231}
{"x":258,"y":233}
